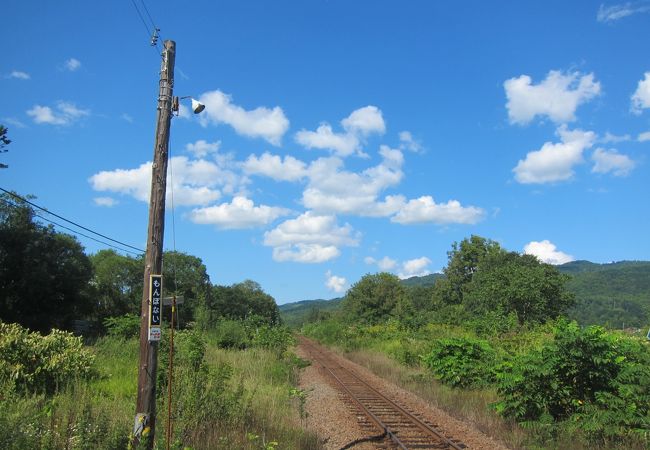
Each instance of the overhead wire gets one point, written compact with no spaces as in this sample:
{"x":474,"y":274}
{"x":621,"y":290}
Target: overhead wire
{"x":13,"y":194}
{"x":152,"y":34}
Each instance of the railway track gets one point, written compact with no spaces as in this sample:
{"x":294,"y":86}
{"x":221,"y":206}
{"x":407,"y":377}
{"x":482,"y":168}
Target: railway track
{"x":396,"y":428}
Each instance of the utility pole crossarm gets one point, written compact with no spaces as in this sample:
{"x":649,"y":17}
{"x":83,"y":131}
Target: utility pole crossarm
{"x":145,"y":412}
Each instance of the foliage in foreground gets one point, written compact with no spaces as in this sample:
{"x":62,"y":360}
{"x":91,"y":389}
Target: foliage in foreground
{"x":591,"y":381}
{"x":34,"y":363}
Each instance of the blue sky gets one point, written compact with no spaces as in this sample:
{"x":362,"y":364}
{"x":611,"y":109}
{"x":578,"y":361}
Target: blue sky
{"x":340,"y":137}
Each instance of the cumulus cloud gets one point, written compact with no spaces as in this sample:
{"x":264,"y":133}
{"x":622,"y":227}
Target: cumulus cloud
{"x":606,"y":161}
{"x":309,"y":238}
{"x":240,"y":213}
{"x":19,"y":75}
{"x":384,"y":264}
{"x":607,"y":14}
{"x":331,"y":189}
{"x":407,"y":142}
{"x":194,"y":182}
{"x":105,"y":201}
{"x":335,"y":283}
{"x":547,"y":252}
{"x":202,"y":148}
{"x":609,"y":138}
{"x":643,"y":137}
{"x":557,"y":97}
{"x":426,"y":210}
{"x":65,"y":114}
{"x":418,"y":267}
{"x":554,"y":161}
{"x":641,"y":97}
{"x":72,"y":64}
{"x":261,"y":122}
{"x":357,"y":126}
{"x":275,"y":167}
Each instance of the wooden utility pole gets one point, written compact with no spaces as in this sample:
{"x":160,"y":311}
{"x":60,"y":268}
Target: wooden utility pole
{"x":145,"y":410}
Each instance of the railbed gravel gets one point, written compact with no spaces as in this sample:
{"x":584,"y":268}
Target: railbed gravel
{"x":337,"y":426}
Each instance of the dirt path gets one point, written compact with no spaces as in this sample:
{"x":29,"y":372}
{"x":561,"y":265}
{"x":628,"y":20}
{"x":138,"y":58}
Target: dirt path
{"x":330,"y":417}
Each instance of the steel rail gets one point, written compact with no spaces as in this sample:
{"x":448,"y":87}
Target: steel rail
{"x":324,"y":359}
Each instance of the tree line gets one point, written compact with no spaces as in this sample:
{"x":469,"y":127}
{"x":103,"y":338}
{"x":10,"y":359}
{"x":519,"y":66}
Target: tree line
{"x":482,"y":281}
{"x":47,"y":280}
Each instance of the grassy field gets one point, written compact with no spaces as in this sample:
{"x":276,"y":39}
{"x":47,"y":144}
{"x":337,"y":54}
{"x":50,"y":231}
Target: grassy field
{"x":223,"y":399}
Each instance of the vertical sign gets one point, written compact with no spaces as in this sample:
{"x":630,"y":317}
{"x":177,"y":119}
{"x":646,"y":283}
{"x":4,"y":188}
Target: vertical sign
{"x":155,"y":307}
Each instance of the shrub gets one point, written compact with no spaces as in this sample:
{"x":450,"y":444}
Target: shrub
{"x":230,"y":334}
{"x":596,"y":380}
{"x":462,"y":362}
{"x":126,"y":326}
{"x":274,"y":338}
{"x":35,"y":363}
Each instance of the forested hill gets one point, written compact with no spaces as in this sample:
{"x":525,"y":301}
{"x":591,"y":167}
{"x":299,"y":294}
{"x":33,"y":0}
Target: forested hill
{"x":615,"y":294}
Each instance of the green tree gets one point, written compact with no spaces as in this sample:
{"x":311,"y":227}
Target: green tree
{"x":374,"y":298}
{"x":44,"y":275}
{"x":116,"y":284}
{"x":186,"y":275}
{"x":245,"y":300}
{"x":4,"y":141}
{"x":507,"y":282}
{"x":464,"y":261}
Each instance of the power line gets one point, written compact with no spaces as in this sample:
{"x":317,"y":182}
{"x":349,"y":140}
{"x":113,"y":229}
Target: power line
{"x":151,"y":34}
{"x":70,"y":221}
{"x":85,"y":235}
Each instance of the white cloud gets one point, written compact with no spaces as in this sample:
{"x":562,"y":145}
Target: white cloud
{"x":72,"y":64}
{"x":105,"y":201}
{"x":426,"y":210}
{"x":240,"y":213}
{"x":643,"y":137}
{"x":554,"y":161}
{"x":343,"y":144}
{"x":194,"y":182}
{"x":547,"y":252}
{"x":609,"y":138}
{"x":13,"y":121}
{"x":407,"y":142}
{"x":616,"y":12}
{"x":384,"y":264}
{"x":418,"y":267}
{"x":261,"y":122}
{"x":557,"y":97}
{"x":606,"y":161}
{"x":19,"y":75}
{"x":273,"y":166}
{"x":202,"y":148}
{"x":641,"y":97}
{"x":365,"y":121}
{"x":358,"y":125}
{"x":127,"y":117}
{"x":65,"y":114}
{"x":335,"y":283}
{"x":334,"y":190}
{"x":309,"y":238}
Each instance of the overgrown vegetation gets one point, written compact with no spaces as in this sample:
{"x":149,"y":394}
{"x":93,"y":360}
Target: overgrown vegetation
{"x":493,"y":330}
{"x":233,"y":382}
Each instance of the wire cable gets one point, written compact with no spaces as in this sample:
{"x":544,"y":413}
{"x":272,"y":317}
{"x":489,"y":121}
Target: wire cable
{"x":151,"y":34}
{"x":13,"y":194}
{"x":70,"y":229}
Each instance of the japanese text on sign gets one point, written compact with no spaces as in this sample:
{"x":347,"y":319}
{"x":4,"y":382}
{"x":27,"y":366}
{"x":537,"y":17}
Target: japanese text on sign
{"x":155,"y":305}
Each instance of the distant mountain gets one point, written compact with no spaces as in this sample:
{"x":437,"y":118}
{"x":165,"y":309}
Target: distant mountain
{"x":427,"y":280}
{"x":615,"y":294}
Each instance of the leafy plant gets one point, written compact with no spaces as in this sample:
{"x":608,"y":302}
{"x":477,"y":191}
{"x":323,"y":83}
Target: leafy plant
{"x":126,"y":326}
{"x":35,"y":363}
{"x":462,"y":362}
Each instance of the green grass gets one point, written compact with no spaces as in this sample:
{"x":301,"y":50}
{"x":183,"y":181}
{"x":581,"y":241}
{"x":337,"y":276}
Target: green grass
{"x":238,"y":399}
